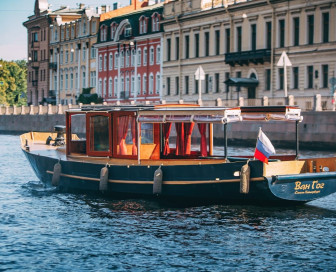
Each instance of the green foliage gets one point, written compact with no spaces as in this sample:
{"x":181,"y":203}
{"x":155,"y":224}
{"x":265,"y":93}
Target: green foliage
{"x":13,"y":82}
{"x":86,"y":97}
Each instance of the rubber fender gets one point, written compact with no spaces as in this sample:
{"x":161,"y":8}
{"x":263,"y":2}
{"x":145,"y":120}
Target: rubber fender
{"x":57,"y":174}
{"x":103,"y":181}
{"x":245,"y":179}
{"x":157,"y":185}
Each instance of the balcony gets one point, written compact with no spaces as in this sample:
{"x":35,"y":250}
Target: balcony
{"x":34,"y":83}
{"x":35,"y":45}
{"x":53,"y":65}
{"x":245,"y":57}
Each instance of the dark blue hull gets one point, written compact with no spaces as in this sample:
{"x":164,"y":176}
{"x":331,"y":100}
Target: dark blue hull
{"x":214,"y":182}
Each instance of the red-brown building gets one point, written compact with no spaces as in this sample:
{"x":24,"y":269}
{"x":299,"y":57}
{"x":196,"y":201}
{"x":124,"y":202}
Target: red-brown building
{"x":130,"y":56}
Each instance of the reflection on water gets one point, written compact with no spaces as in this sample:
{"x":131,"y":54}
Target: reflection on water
{"x":41,"y":229}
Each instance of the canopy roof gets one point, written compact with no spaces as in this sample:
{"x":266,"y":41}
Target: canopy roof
{"x":242,"y":82}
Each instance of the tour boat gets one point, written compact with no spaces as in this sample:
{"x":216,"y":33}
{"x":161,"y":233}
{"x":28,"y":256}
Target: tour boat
{"x":166,"y":151}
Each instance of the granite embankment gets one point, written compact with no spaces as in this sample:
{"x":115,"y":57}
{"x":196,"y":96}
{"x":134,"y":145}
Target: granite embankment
{"x":317,"y":131}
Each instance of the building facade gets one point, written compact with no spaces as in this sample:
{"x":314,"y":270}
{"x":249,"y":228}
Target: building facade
{"x":245,"y":39}
{"x":130,"y":55}
{"x":72,"y":56}
{"x":38,"y":54}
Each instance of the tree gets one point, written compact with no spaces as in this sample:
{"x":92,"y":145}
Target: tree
{"x":13,"y":83}
{"x":86,"y":97}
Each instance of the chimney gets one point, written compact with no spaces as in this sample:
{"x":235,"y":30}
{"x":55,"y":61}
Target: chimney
{"x":103,"y":8}
{"x":81,"y":6}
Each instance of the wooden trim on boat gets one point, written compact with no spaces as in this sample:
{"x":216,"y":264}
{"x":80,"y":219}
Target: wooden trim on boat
{"x":151,"y":182}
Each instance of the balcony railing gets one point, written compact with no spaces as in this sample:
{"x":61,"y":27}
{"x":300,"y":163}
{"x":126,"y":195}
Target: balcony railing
{"x":53,"y":65}
{"x":124,"y":95}
{"x":245,"y":57}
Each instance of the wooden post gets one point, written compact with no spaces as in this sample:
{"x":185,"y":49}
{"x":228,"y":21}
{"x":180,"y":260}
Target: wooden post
{"x":211,"y":139}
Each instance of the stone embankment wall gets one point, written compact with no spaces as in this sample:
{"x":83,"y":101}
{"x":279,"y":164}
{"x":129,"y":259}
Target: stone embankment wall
{"x":317,"y":131}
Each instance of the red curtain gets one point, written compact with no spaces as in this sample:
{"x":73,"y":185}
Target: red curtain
{"x":134,"y":137}
{"x":122,"y":133}
{"x":166,"y":131}
{"x":202,"y":130}
{"x":188,"y":128}
{"x":179,"y":138}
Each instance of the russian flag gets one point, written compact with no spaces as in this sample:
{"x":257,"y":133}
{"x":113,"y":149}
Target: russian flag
{"x":264,"y":148}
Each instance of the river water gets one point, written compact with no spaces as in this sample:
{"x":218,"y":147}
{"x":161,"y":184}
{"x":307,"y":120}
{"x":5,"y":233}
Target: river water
{"x":43,"y":230}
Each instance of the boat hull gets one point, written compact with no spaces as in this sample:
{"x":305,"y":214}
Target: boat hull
{"x":214,"y":182}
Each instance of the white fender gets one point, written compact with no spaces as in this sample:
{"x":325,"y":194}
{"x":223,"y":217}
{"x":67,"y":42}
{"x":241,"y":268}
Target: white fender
{"x":103,"y":181}
{"x":245,"y":179}
{"x":57,"y":174}
{"x":157,"y":185}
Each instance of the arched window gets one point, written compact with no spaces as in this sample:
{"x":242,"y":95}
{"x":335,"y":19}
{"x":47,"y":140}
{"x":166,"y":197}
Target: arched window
{"x":157,"y":83}
{"x":158,"y":54}
{"x":110,"y":87}
{"x":104,"y":87}
{"x":145,"y":56}
{"x":138,"y":84}
{"x":116,"y":60}
{"x":105,"y":62}
{"x":127,"y":57}
{"x":122,"y":59}
{"x":132,"y":85}
{"x":100,"y":88}
{"x":155,"y":22}
{"x":115,"y":86}
{"x":127,"y":85}
{"x":144,"y":84}
{"x":151,"y":55}
{"x":133,"y":57}
{"x":139,"y":57}
{"x":111,"y":61}
{"x":151,"y":83}
{"x":113,"y":30}
{"x":100,"y":62}
{"x":122,"y":85}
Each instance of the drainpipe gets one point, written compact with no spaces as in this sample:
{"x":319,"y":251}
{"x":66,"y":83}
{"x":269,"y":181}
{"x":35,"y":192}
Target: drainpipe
{"x":272,"y":46}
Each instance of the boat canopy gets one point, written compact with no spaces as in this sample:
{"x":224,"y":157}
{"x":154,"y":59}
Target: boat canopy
{"x":190,"y":115}
{"x":271,"y":113}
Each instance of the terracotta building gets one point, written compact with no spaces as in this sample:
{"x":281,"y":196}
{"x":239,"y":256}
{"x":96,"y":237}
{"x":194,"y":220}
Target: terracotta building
{"x":129,"y":54}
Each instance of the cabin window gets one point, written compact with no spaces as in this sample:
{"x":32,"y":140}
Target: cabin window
{"x":185,"y":139}
{"x":76,"y":134}
{"x":147,"y":133}
{"x":99,"y":134}
{"x":126,"y":142}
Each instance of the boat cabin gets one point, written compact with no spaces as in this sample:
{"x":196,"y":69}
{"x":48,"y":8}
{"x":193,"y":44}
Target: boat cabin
{"x":145,"y":132}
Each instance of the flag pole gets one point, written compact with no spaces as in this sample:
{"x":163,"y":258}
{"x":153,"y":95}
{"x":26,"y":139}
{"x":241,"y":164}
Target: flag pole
{"x":257,"y":142}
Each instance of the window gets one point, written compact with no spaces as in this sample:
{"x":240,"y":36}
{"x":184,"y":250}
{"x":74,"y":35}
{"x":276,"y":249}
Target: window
{"x":253,"y":37}
{"x":177,"y":85}
{"x":206,"y":83}
{"x":93,"y":78}
{"x":268,"y":35}
{"x":100,"y":88}
{"x":325,"y":27}
{"x":132,"y":85}
{"x":116,"y":60}
{"x":155,"y":22}
{"x":217,"y":42}
{"x":196,"y":42}
{"x":310,"y":31}
{"x":158,"y":54}
{"x":127,"y":84}
{"x":206,"y":44}
{"x":310,"y":77}
{"x":145,"y":56}
{"x":133,"y":57}
{"x":72,"y":54}
{"x":325,"y":71}
{"x":66,"y":56}
{"x":168,"y":49}
{"x":227,"y":88}
{"x":110,"y":87}
{"x":76,"y":83}
{"x":143,"y":25}
{"x":295,"y":77}
{"x":122,"y":59}
{"x":127,"y":58}
{"x":144,"y":84}
{"x":177,"y":48}
{"x":267,"y":79}
{"x":110,"y":61}
{"x":151,"y":83}
{"x":227,"y":40}
{"x":138,"y":84}
{"x":186,"y":84}
{"x":84,"y":53}
{"x":99,"y":141}
{"x":113,"y":30}
{"x":126,"y":135}
{"x":84,"y":79}
{"x":66,"y":80}
{"x":281,"y":78}
{"x":217,"y":82}
{"x":103,"y":33}
{"x":168,"y":85}
{"x":282,"y":33}
{"x":296,"y":31}
{"x":105,"y":62}
{"x":239,"y":38}
{"x":196,"y":86}
{"x":122,"y":84}
{"x":93,"y":27}
{"x":158,"y":83}
{"x":139,"y":57}
{"x":100,"y":62}
{"x":115,"y":86}
{"x":186,"y":46}
{"x":61,"y":81}
{"x":151,"y":55}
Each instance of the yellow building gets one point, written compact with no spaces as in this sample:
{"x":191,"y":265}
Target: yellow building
{"x":72,"y":56}
{"x":244,"y":40}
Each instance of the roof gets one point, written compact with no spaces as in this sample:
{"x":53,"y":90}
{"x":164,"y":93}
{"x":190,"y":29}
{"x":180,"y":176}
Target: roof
{"x":242,"y":82}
